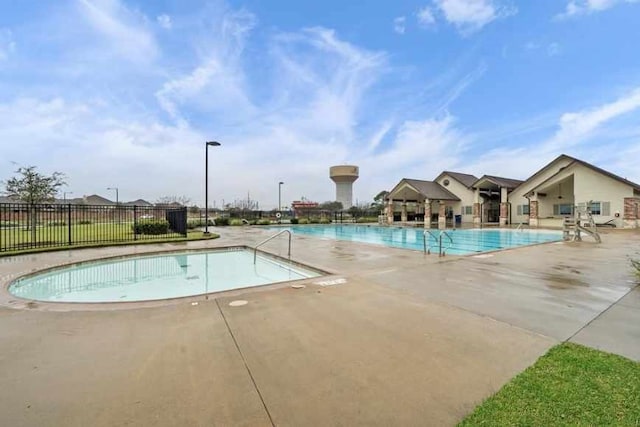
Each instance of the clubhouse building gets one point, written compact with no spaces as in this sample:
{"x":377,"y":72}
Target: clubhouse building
{"x":554,"y":192}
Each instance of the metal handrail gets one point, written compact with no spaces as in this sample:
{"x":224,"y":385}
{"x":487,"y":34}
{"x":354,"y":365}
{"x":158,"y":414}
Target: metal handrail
{"x":450,"y":240}
{"x":519,"y":227}
{"x":424,"y":239}
{"x":255,"y":250}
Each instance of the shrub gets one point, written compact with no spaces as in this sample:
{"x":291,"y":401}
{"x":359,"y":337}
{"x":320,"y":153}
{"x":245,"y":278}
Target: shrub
{"x":84,"y":222}
{"x":253,"y":222}
{"x":367,"y":219}
{"x":56,"y":223}
{"x":8,"y":224}
{"x":294,"y":220}
{"x":325,"y":221}
{"x":198,"y":223}
{"x":236,"y":222}
{"x":151,"y":227}
{"x":264,"y":222}
{"x":221,"y":221}
{"x":314,"y":221}
{"x":303,"y":221}
{"x":635,"y":263}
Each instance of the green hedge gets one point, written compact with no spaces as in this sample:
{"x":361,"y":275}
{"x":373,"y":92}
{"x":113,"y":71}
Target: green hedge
{"x":294,"y":220}
{"x":8,"y":224}
{"x":303,"y":221}
{"x":221,"y":221}
{"x":367,"y":219}
{"x":151,"y":227}
{"x":264,"y":222}
{"x":195,"y":223}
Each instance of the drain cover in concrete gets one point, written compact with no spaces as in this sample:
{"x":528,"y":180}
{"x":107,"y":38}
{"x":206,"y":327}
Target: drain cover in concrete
{"x":238,"y":303}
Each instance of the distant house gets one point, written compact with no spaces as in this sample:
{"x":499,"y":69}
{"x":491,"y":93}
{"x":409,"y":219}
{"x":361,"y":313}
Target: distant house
{"x":94,"y":199}
{"x":138,"y":202}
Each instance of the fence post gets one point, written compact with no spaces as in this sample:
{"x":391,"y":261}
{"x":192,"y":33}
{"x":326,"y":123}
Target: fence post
{"x":69,"y":222}
{"x":135,"y":222}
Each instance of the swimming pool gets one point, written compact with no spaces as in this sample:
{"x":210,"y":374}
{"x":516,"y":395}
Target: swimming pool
{"x":465,"y":241}
{"x":154,"y":277}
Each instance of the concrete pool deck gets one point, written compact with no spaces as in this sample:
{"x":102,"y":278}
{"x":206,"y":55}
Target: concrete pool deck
{"x":403,"y":339}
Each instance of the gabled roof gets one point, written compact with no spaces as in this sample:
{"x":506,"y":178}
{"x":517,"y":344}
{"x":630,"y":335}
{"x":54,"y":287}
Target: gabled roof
{"x":465,"y":179}
{"x":509,"y":183}
{"x":139,"y":202}
{"x":429,"y":189}
{"x":586,"y":164}
{"x":94,"y":199}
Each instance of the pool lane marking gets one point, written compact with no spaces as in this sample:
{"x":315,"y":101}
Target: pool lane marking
{"x":255,"y":385}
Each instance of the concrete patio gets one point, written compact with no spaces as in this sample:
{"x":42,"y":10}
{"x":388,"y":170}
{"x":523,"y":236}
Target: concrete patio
{"x":404,"y":339}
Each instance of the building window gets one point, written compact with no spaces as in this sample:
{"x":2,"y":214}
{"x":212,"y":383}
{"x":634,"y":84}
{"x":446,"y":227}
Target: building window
{"x":563,"y":209}
{"x":467,"y":210}
{"x":523,"y":209}
{"x":445,"y":182}
{"x":600,"y":208}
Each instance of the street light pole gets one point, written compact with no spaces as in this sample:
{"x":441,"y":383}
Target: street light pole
{"x":64,"y":195}
{"x":280,"y":201}
{"x":206,"y":183}
{"x":116,"y":189}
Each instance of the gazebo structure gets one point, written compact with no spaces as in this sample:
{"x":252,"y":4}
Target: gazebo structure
{"x":417,"y":200}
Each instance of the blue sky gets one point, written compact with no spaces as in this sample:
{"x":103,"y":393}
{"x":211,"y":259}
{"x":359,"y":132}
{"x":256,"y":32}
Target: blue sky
{"x":124,"y":93}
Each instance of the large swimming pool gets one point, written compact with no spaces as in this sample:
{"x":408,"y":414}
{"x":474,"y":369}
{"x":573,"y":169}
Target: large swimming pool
{"x":154,"y":277}
{"x":463,"y":241}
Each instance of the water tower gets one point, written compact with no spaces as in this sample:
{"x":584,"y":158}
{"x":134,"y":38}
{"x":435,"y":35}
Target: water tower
{"x":344,"y":176}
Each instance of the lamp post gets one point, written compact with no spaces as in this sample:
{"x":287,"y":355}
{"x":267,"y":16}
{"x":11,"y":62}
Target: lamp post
{"x":206,"y":183}
{"x":280,"y":201}
{"x":116,"y":189}
{"x":64,"y":195}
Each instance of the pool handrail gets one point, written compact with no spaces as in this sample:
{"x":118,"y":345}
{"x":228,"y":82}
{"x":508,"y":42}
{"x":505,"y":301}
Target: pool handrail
{"x":442,"y":253}
{"x":255,"y":250}
{"x":424,"y":239}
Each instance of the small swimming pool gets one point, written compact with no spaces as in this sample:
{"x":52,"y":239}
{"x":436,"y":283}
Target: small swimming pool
{"x":155,"y":277}
{"x":465,"y":241}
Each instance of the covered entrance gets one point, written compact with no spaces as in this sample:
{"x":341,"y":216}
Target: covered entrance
{"x":417,"y":201}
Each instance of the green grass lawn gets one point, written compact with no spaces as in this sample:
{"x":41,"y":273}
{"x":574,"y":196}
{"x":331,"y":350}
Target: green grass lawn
{"x":570,"y":385}
{"x":96,"y":234}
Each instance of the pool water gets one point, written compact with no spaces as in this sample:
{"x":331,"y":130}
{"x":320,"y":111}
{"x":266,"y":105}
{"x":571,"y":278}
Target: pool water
{"x":465,"y":241}
{"x":155,"y":277}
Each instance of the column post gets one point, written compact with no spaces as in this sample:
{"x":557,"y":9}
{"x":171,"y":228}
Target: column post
{"x":504,"y":207}
{"x":442,"y":219}
{"x":390,"y":211}
{"x":427,"y":213}
{"x":403,"y":212}
{"x":533,"y":211}
{"x":477,"y":219}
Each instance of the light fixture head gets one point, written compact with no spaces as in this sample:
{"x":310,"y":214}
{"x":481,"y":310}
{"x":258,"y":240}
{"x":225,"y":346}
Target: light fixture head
{"x":213,"y":143}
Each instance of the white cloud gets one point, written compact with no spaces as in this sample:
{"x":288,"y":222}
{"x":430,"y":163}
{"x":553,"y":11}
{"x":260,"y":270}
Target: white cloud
{"x":164,"y":21}
{"x":7,"y":44}
{"x":554,"y":49}
{"x":583,"y":7}
{"x":399,"y":24}
{"x":576,"y":127}
{"x":469,"y":16}
{"x":425,"y":17}
{"x":123,"y":30}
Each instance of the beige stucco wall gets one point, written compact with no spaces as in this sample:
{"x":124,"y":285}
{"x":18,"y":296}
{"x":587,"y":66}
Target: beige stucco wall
{"x":517,"y":196}
{"x":590,"y":185}
{"x":465,"y":195}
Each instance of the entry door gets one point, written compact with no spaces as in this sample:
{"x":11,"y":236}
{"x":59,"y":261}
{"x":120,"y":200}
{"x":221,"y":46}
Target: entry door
{"x":493,"y":212}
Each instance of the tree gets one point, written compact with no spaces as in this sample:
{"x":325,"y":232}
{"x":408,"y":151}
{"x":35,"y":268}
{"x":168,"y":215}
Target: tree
{"x":378,"y":200}
{"x":330,"y":206}
{"x":168,"y":200}
{"x":33,"y":187}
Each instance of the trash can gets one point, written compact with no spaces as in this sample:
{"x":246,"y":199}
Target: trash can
{"x":458,"y":219}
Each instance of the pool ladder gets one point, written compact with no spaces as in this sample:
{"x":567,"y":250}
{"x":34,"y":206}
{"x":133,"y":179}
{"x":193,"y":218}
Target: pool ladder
{"x":255,"y":250}
{"x":438,"y":240}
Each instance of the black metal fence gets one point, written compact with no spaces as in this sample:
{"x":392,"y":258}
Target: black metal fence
{"x":27,"y":226}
